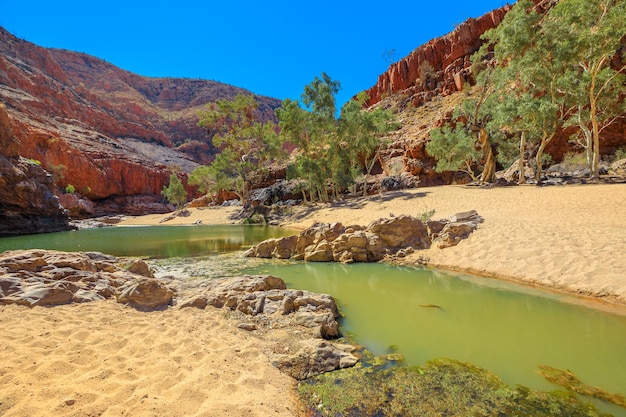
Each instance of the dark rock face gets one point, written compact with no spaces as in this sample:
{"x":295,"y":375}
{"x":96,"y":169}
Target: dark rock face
{"x":27,"y":200}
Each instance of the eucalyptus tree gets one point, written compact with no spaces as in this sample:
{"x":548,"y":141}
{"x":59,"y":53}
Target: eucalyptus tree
{"x":465,"y":142}
{"x":525,"y":102}
{"x":589,"y":33}
{"x":175,"y":191}
{"x":331,"y":152}
{"x":362,"y":132}
{"x":247,"y":146}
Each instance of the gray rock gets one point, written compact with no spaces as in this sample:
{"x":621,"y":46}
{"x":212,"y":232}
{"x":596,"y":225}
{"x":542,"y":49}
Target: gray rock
{"x":145,"y":294}
{"x":315,"y":357}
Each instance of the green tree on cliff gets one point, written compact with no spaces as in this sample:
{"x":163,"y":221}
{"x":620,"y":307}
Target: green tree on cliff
{"x":175,"y":191}
{"x":246,"y":146}
{"x":549,"y":70}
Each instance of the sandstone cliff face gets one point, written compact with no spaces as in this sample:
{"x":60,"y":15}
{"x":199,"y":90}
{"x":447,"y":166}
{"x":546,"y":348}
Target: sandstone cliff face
{"x":110,"y":133}
{"x":425,"y":87}
{"x":27,"y":200}
{"x":440,"y":67}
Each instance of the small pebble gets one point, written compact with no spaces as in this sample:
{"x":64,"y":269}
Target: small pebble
{"x":70,"y":401}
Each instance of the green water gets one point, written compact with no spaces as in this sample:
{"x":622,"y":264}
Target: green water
{"x":149,"y":241}
{"x":505,"y":328}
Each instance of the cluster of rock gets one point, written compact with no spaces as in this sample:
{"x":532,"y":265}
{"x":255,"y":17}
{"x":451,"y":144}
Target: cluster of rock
{"x":49,"y":278}
{"x":395,"y":236}
{"x":300,"y":322}
{"x":565,"y":174}
{"x":264,"y":302}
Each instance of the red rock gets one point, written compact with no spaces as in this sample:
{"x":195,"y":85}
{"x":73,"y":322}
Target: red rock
{"x":104,"y":130}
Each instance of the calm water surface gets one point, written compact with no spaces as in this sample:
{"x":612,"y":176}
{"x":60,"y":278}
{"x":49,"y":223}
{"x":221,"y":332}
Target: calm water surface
{"x":149,"y":241}
{"x":505,"y":328}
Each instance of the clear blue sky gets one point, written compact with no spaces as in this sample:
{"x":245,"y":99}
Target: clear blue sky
{"x":272,"y":47}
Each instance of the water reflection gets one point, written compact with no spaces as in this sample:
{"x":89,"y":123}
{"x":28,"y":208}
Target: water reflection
{"x":149,"y":241}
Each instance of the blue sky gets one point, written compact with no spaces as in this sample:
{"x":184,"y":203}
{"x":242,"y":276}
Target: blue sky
{"x":272,"y":48}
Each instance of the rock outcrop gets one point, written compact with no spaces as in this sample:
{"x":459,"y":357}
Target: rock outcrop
{"x":27,"y":200}
{"x":396,"y":236}
{"x":438,"y":68}
{"x":49,"y":278}
{"x":309,"y":320}
{"x":106,"y":131}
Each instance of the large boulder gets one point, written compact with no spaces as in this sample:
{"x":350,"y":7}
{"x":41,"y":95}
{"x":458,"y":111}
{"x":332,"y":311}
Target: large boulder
{"x":267,"y":299}
{"x":401,"y":232}
{"x":145,"y":294}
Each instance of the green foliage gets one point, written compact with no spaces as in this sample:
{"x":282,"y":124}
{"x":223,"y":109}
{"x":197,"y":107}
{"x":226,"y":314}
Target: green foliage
{"x":246,"y":146}
{"x":426,"y":215}
{"x":454,"y":148}
{"x":70,"y":189}
{"x":574,"y":160}
{"x":331,"y":152}
{"x":34,"y":161}
{"x":550,"y":70}
{"x":175,"y":191}
{"x":619,"y":154}
{"x":441,"y":387}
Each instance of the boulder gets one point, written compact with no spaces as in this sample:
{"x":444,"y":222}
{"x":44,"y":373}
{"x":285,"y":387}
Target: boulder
{"x":401,"y":232}
{"x":315,"y":357}
{"x":145,"y":294}
{"x":618,"y":168}
{"x":267,"y":299}
{"x":320,"y":252}
{"x":48,"y":278}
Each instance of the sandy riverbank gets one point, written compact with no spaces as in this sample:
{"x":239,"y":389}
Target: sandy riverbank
{"x":104,"y":359}
{"x":571,"y":238}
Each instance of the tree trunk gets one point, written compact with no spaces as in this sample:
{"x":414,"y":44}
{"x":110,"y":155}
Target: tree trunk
{"x":522,"y":147}
{"x":595,"y":132}
{"x":489,"y":170}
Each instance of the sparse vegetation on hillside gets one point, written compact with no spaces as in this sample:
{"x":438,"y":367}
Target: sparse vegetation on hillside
{"x":549,"y":71}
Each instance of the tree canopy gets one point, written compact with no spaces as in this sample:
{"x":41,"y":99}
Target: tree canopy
{"x":547,"y":71}
{"x":246,"y":144}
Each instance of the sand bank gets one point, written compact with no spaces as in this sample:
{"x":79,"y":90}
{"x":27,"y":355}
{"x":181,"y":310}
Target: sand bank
{"x":570,"y":238}
{"x":105,"y":359}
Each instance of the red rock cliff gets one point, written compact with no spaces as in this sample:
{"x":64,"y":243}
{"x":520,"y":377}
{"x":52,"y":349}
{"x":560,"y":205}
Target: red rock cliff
{"x":106,"y":131}
{"x":440,"y":67}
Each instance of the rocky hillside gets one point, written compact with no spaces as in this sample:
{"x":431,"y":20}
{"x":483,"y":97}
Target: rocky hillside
{"x":110,"y":133}
{"x":27,"y":200}
{"x":425,"y":87}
